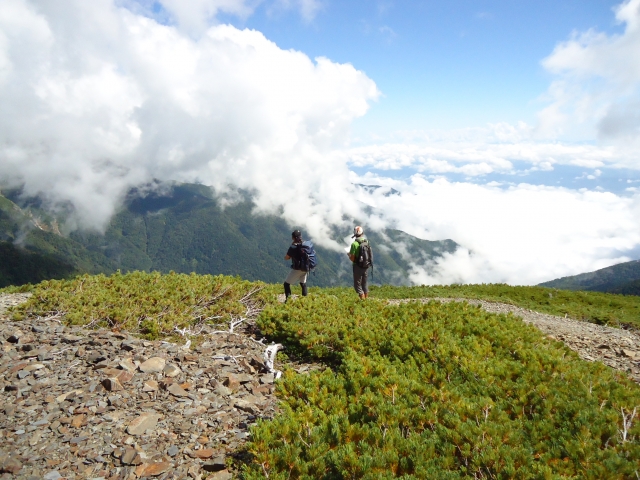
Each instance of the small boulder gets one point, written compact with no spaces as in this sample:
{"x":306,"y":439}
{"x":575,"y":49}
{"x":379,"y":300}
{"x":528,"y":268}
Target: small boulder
{"x":153,"y":365}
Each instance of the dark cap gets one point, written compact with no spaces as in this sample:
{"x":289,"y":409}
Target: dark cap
{"x":296,"y":234}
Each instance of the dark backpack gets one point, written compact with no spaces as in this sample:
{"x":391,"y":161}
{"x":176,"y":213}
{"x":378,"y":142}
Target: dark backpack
{"x":308,"y":259}
{"x":365,"y":258}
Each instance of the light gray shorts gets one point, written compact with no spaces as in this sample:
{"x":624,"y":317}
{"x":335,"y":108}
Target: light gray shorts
{"x":296,"y":276}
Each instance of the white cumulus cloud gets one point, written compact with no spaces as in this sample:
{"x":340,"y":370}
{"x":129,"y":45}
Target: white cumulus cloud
{"x":97,"y":98}
{"x":597,"y":90}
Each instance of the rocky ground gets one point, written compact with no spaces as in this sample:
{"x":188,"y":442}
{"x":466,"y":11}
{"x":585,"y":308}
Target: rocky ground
{"x":96,"y":404}
{"x":78,"y":403}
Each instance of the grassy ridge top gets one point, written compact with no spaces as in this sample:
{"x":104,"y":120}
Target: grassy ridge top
{"x":438,"y":391}
{"x":149,"y":304}
{"x":414,"y":390}
{"x":595,"y":307}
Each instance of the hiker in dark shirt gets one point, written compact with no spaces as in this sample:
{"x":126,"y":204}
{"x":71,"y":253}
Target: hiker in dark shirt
{"x":297,"y":274}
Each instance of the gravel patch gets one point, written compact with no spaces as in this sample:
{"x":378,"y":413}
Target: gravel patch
{"x":79,"y":403}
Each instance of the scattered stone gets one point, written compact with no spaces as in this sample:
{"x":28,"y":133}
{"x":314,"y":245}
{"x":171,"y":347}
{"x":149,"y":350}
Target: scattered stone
{"x":171,"y":370}
{"x":153,"y":365}
{"x":112,"y":384}
{"x":77,"y":440}
{"x":78,"y":420}
{"x":204,"y":453}
{"x":153,"y":469}
{"x":215,"y":465}
{"x":127,"y":346}
{"x":173,"y":451}
{"x":9,"y":465}
{"x":128,"y":365}
{"x":232,"y":383}
{"x":131,"y":456}
{"x":53,"y":475}
{"x":177,"y":391}
{"x":221,"y":475}
{"x":267,"y":379}
{"x":15,"y":337}
{"x":79,"y":412}
{"x":194,"y":472}
{"x":72,"y":338}
{"x":150,"y":386}
{"x":125,"y":376}
{"x":146,"y":421}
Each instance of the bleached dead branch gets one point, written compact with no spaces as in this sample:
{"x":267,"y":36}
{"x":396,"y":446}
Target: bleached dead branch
{"x":55,"y":316}
{"x":270,"y":357}
{"x":627,"y":422}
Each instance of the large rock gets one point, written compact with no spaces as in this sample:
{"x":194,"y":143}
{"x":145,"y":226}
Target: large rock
{"x":146,"y":421}
{"x":153,"y":365}
{"x":171,"y":370}
{"x":152,"y":469}
{"x":177,"y":391}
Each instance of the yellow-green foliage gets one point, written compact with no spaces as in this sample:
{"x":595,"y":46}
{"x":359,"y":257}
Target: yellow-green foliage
{"x":147,"y":303}
{"x":596,"y":307}
{"x":439,"y":391}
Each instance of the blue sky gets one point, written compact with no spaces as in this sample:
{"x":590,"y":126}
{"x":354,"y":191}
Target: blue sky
{"x":511,"y":127}
{"x":447,"y":65}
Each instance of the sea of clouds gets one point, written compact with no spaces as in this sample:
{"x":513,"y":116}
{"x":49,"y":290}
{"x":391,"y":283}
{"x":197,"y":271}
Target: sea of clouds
{"x":102,"y":96}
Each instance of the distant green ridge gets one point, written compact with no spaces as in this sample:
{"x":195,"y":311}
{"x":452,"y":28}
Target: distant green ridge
{"x":623,"y":278}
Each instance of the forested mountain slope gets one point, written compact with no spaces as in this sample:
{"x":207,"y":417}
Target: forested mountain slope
{"x":186,"y":231}
{"x":623,"y":278}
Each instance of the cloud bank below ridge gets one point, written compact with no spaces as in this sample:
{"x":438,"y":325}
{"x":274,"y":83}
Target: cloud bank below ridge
{"x":102,"y":97}
{"x":98,"y":99}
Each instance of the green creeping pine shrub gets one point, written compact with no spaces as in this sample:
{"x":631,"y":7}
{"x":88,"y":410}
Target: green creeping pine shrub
{"x":596,"y":307}
{"x":438,"y":391}
{"x":150,"y":304}
{"x":27,"y":287}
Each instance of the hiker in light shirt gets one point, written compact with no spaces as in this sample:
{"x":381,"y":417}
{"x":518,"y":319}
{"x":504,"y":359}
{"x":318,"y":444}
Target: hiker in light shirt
{"x":360,"y":272}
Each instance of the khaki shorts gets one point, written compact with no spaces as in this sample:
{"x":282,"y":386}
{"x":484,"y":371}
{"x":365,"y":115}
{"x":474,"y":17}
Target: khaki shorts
{"x":296,"y":276}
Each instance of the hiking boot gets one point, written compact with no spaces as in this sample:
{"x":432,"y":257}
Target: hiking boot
{"x":362,"y":296}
